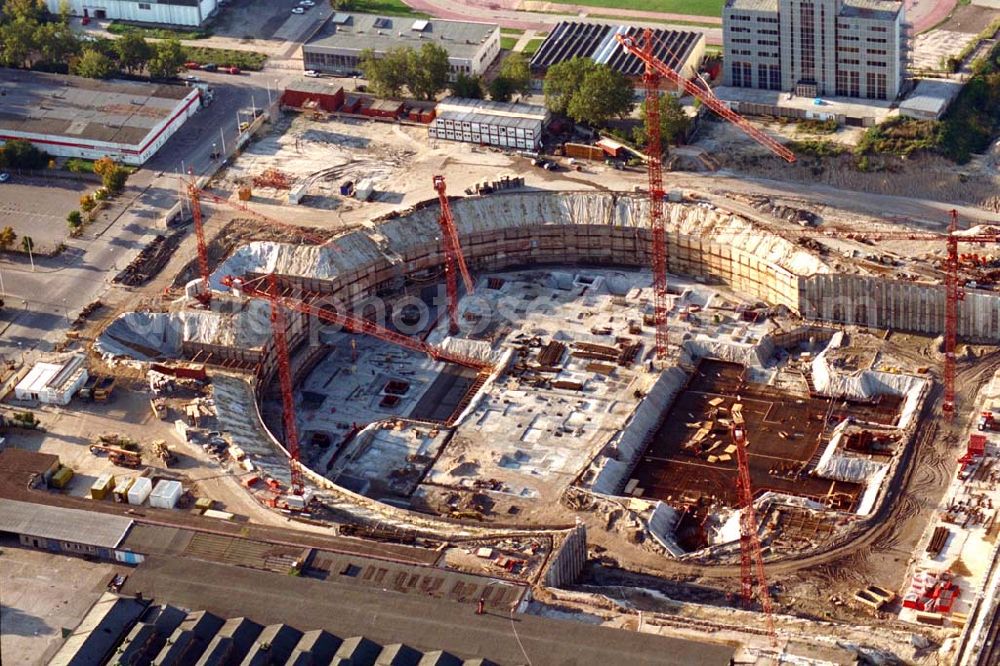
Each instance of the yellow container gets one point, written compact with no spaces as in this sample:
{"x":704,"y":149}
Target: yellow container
{"x":61,"y":478}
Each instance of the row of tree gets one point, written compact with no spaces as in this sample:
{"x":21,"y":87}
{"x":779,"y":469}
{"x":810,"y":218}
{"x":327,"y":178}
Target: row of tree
{"x":32,"y":38}
{"x":580,"y":89}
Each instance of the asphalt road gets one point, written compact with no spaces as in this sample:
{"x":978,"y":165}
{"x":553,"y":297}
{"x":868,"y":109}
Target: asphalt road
{"x":40,"y":303}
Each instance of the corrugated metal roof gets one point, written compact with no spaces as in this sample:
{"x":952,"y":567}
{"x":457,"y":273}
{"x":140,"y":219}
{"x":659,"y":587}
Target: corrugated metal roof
{"x":123,"y":112}
{"x":571,"y":39}
{"x":71,"y":525}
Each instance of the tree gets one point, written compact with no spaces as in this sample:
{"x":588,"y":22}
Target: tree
{"x":27,"y":244}
{"x":470,"y":87}
{"x":674,"y":122}
{"x":428,"y":71}
{"x":26,"y":10}
{"x":17,"y":43}
{"x":563,"y":80}
{"x":167,"y":58}
{"x":94,"y":65}
{"x":21,"y":154}
{"x":389,"y":74}
{"x":7,"y":238}
{"x":74,"y":220}
{"x":133,"y":51}
{"x":603,"y":95}
{"x":501,"y":89}
{"x":56,"y":43}
{"x":514,"y":77}
{"x":113,"y":175}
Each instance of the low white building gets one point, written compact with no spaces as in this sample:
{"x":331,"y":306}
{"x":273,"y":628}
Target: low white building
{"x":71,"y":116}
{"x":336,"y":47}
{"x":171,"y":12}
{"x":53,"y":383}
{"x":490,"y":123}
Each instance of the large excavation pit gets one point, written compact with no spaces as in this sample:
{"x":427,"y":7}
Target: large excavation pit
{"x":787,"y":433}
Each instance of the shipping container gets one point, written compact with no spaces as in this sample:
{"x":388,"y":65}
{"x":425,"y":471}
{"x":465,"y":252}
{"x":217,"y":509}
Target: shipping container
{"x":122,"y":487}
{"x":221,"y":515}
{"x":61,"y":478}
{"x":102,"y":487}
{"x":139,"y":491}
{"x":165,"y":494}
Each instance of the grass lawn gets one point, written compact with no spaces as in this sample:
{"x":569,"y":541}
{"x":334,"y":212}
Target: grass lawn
{"x":693,"y":7}
{"x":532,"y":46}
{"x":511,"y":31}
{"x":508,"y":42}
{"x":247,"y":60}
{"x":386,"y":7}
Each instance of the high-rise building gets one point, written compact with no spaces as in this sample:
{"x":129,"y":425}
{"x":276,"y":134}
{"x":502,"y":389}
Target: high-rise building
{"x":844,"y":48}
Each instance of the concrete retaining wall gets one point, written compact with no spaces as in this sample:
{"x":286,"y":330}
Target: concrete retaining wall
{"x":891,"y":304}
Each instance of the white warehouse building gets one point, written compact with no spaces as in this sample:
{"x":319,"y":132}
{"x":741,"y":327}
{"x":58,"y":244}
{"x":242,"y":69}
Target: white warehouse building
{"x":53,"y":383}
{"x":171,"y":12}
{"x":490,"y":123}
{"x":71,"y":116}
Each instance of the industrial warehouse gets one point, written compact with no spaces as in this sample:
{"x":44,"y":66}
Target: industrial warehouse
{"x":466,"y":381}
{"x":71,"y":116}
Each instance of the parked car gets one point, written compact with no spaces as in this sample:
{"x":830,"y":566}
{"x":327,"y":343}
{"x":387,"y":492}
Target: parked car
{"x":307,"y":3}
{"x":311,"y":73}
{"x":231,"y":70}
{"x":210,"y":67}
{"x":298,"y":10}
{"x":4,"y":176}
{"x":192,"y":65}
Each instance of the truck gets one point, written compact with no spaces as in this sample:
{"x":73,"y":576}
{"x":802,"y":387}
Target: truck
{"x":103,"y":389}
{"x":159,"y":407}
{"x":163,"y":452}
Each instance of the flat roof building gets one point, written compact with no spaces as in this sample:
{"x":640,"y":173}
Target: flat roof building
{"x":71,"y":116}
{"x":58,"y":529}
{"x":53,"y":383}
{"x":816,"y":48}
{"x":173,"y":12}
{"x":336,"y":48}
{"x":681,"y":50}
{"x":490,"y":123}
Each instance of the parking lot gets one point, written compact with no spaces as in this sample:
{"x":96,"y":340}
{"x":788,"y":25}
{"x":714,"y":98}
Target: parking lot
{"x":38,"y":207}
{"x":41,"y":594}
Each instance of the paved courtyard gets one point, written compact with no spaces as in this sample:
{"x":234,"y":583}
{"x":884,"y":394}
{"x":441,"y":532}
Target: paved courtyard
{"x":40,"y":595}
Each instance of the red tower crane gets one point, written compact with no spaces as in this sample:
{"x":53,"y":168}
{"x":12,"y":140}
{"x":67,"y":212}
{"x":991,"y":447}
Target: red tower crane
{"x":645,"y":53}
{"x":661,"y":305}
{"x":454,"y":259}
{"x":268,"y":288}
{"x":253,"y":288}
{"x":751,"y":557}
{"x":205,"y":295}
{"x":279,"y":330}
{"x":260,"y":217}
{"x":954,"y":290}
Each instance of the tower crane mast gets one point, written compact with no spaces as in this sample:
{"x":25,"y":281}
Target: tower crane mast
{"x":454,"y":259}
{"x":751,"y":556}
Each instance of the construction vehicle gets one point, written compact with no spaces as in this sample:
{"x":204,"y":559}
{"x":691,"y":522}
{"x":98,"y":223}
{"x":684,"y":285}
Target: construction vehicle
{"x":118,"y":456}
{"x":103,"y":389}
{"x":163,"y":452}
{"x":159,"y":407}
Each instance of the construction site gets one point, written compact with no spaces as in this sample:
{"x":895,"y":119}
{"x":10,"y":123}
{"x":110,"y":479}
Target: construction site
{"x":751,"y":406}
